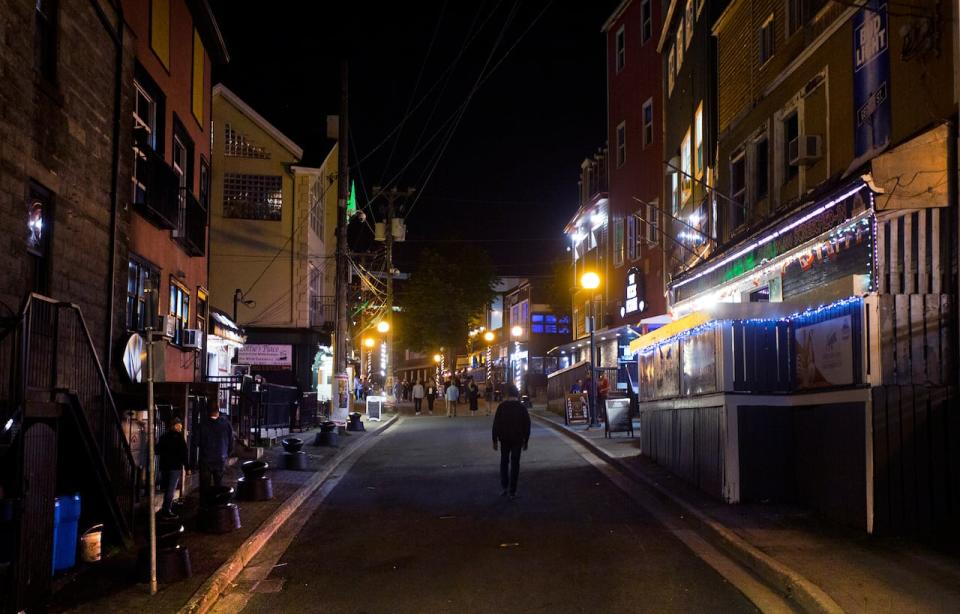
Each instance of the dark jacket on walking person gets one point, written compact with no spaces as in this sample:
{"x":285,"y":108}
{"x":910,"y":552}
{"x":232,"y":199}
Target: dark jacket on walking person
{"x":215,"y":443}
{"x":171,"y":453}
{"x":473,"y":395}
{"x":431,"y":397}
{"x":511,"y":430}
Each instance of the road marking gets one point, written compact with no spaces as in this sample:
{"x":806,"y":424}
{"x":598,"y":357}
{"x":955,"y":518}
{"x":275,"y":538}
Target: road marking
{"x":765,"y":598}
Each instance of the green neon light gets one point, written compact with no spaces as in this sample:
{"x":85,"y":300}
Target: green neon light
{"x":352,"y":200}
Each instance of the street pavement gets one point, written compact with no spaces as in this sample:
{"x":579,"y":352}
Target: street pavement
{"x":417,"y":524}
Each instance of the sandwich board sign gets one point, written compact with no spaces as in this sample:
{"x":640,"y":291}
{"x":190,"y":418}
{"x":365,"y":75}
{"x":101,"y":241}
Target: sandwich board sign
{"x":374,"y":407}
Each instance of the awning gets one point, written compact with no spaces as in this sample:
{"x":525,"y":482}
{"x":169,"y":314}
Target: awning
{"x":600,"y":336}
{"x":222,"y":326}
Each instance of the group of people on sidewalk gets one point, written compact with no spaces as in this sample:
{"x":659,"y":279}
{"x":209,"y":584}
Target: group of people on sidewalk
{"x":214,"y":439}
{"x":450,"y":393}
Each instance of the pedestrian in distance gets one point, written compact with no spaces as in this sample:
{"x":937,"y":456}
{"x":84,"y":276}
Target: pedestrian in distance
{"x":473,"y":395}
{"x":603,"y":390}
{"x":431,"y":397}
{"x":215,"y":443}
{"x":511,"y":431}
{"x":452,"y":394}
{"x":418,"y":394}
{"x":172,"y":455}
{"x":577,"y":387}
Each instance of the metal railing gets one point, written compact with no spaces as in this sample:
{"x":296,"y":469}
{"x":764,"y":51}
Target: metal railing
{"x":322,"y":311}
{"x":160,"y":200}
{"x":49,"y":350}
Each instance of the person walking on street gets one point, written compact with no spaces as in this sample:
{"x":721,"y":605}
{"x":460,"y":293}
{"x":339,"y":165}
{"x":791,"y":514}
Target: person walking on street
{"x":473,"y":395}
{"x":431,"y":397}
{"x":511,"y":430}
{"x":172,"y":453}
{"x":603,"y":389}
{"x":418,"y":393}
{"x":215,"y":441}
{"x":451,"y":395}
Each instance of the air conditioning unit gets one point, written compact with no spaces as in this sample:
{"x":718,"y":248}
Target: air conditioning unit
{"x":192,"y":338}
{"x":805,"y":149}
{"x":168,"y":326}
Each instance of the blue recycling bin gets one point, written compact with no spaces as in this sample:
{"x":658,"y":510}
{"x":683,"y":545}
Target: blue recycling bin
{"x":66,"y":516}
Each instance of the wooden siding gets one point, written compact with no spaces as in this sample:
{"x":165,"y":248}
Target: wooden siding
{"x":688,"y":443}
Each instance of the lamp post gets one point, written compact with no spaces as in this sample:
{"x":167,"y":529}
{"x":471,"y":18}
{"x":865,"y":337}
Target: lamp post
{"x":438,"y":358}
{"x":489,"y":337}
{"x":591,"y":281}
{"x":516,"y":332}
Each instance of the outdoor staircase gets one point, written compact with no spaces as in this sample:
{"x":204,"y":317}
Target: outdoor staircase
{"x":54,"y":397}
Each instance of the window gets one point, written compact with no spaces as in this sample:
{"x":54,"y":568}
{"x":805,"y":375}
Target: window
{"x":202,"y":309}
{"x":160,"y":30}
{"x":205,"y":184}
{"x":698,"y":142}
{"x":621,"y":144}
{"x":675,"y":193}
{"x":621,"y":48}
{"x":179,"y":309}
{"x":316,"y":207}
{"x":618,"y":242}
{"x":738,"y":189}
{"x":761,"y":168}
{"x":631,"y":238}
{"x":236,"y":145}
{"x":679,"y":45}
{"x":196,"y":105}
{"x":794,"y":17}
{"x":45,"y":39}
{"x":689,"y":22}
{"x":648,"y":122}
{"x":638,"y":217}
{"x":39,"y":221}
{"x":653,"y":224}
{"x":646,"y":21}
{"x":765,"y":44}
{"x":181,"y":166}
{"x":686,"y":168}
{"x":143,"y":281}
{"x":671,"y":70}
{"x":791,"y":130}
{"x":145,"y":136}
{"x":700,"y":4}
{"x":252,"y":197}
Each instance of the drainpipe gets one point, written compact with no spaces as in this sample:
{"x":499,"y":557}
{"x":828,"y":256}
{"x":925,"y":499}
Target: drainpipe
{"x":116,"y":34}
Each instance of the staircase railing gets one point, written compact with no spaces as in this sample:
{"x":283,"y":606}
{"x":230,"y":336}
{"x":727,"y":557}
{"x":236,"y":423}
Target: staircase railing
{"x":49,"y":349}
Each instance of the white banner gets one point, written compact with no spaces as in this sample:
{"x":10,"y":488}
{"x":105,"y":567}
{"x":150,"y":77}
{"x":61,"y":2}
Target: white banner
{"x":825,"y":354}
{"x":266,"y":354}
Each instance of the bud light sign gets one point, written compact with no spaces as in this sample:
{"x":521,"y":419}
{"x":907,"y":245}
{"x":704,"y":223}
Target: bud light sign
{"x":871,"y":80}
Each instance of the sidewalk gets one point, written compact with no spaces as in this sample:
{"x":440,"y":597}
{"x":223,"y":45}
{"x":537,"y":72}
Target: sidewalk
{"x":112,"y":584}
{"x":822,"y":567}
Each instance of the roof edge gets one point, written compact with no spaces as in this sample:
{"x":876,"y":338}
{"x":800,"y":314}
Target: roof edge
{"x":228,"y":95}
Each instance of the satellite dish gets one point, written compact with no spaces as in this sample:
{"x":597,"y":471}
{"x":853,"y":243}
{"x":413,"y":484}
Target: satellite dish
{"x":134,"y":355}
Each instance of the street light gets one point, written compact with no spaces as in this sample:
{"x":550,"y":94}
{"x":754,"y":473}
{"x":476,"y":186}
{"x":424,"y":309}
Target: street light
{"x":369,"y":342}
{"x":591,"y":281}
{"x":383,"y":326}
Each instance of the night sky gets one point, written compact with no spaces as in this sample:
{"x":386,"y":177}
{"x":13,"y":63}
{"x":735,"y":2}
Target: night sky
{"x":507,"y":178}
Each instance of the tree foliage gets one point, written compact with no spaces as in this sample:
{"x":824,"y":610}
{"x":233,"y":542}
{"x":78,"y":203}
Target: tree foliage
{"x":446,"y":291}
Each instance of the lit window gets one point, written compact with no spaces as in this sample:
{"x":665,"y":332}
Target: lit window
{"x":653,"y":221}
{"x":252,"y":197}
{"x":621,"y":144}
{"x":738,"y":189}
{"x":179,"y":309}
{"x":196,"y":103}
{"x":648,"y":122}
{"x":160,"y":30}
{"x":316,"y":207}
{"x":621,"y":49}
{"x":143,"y":281}
{"x":617,"y":242}
{"x":631,"y":238}
{"x":686,"y":167}
{"x":671,"y":70}
{"x":698,"y":141}
{"x":679,"y":46}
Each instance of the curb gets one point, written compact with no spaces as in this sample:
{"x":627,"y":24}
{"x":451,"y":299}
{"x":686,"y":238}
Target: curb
{"x":790,"y":583}
{"x":206,"y":596}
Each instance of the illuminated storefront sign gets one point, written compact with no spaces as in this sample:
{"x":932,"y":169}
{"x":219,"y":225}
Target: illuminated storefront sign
{"x":634,"y":300}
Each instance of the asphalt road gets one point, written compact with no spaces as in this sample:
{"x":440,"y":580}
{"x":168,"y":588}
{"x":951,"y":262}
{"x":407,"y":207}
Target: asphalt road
{"x":417,"y":524}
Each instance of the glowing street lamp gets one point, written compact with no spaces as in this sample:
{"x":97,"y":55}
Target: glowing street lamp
{"x":591,"y":281}
{"x":383,"y":326}
{"x":369,"y":342}
{"x":489,"y":336}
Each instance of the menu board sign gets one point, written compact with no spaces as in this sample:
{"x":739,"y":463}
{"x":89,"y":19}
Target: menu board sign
{"x":618,"y":417}
{"x":374,"y":407}
{"x":577,"y":411}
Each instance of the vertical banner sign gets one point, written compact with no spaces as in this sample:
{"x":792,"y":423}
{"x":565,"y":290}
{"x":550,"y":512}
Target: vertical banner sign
{"x":871,"y":80}
{"x":341,"y":399}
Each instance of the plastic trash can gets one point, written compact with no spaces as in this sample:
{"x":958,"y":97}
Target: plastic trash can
{"x":66,"y":515}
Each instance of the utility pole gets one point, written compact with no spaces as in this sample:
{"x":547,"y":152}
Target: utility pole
{"x":343,"y":185}
{"x":391,"y":197}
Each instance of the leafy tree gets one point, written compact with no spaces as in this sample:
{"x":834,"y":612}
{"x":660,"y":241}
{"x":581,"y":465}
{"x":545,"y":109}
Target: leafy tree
{"x":445,"y":292}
